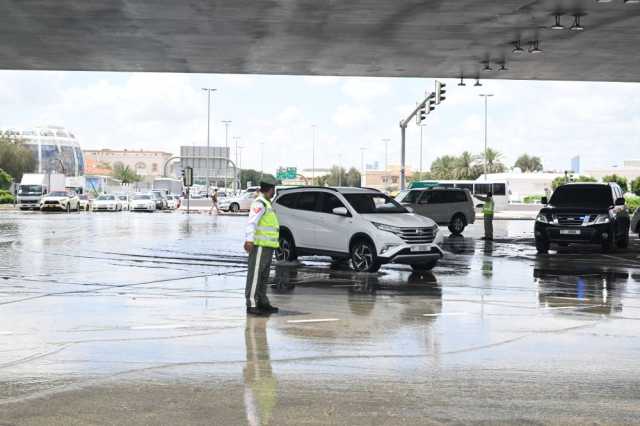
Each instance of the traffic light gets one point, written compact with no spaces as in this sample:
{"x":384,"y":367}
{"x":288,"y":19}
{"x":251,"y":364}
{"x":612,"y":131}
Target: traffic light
{"x":440,"y":92}
{"x":422,"y":114}
{"x":187,"y":176}
{"x":431,"y":105}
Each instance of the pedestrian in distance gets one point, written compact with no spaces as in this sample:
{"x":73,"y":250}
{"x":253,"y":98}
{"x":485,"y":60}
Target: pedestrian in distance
{"x":261,"y":239}
{"x":488,"y":210}
{"x":214,"y":202}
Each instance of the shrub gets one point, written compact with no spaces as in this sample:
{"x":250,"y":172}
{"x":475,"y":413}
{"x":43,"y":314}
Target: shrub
{"x":620,"y":180}
{"x":633,"y":202}
{"x":6,"y":197}
{"x":635,"y":186}
{"x":5,"y":180}
{"x":531,"y":199}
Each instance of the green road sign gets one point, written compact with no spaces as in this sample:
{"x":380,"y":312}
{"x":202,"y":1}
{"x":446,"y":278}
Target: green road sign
{"x":287,"y":173}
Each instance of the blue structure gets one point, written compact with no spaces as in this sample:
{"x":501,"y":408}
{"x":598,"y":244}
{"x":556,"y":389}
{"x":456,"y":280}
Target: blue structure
{"x":575,"y":164}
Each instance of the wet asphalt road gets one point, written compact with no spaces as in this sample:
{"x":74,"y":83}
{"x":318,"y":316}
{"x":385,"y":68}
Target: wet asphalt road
{"x":139,"y":319}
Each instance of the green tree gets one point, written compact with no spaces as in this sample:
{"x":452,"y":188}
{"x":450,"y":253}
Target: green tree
{"x":417,"y":176}
{"x":354,"y":178}
{"x":5,"y":180}
{"x":528,"y":163}
{"x":465,"y":166}
{"x":635,"y":186}
{"x":15,"y":158}
{"x":620,"y":180}
{"x":494,"y":161}
{"x":444,"y":167}
{"x":585,"y":179}
{"x":252,"y":176}
{"x":561,"y":180}
{"x":125,"y":174}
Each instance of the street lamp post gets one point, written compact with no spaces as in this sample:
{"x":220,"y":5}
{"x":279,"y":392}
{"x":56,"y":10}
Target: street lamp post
{"x":485,"y":96}
{"x":386,"y":159}
{"x":236,"y":139}
{"x":420,"y":171}
{"x":226,"y":146}
{"x":208,"y":90}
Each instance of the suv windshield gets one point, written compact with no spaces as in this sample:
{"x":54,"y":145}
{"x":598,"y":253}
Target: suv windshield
{"x":582,"y":196}
{"x":374,"y":203}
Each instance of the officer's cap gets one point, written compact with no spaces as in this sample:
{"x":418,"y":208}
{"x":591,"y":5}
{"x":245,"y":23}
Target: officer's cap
{"x":268,"y":181}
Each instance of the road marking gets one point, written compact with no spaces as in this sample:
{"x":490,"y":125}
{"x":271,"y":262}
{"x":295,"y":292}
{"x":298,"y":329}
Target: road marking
{"x":442,"y":314}
{"x":313,"y":320}
{"x":160,"y":327}
{"x":549,"y":308}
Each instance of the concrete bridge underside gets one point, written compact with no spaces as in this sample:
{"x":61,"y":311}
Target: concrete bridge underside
{"x":411,"y":38}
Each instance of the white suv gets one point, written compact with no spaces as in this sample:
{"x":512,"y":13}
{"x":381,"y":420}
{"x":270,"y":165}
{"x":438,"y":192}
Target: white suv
{"x":362,"y":225}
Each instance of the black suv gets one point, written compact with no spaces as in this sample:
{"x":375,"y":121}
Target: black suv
{"x":588,"y":213}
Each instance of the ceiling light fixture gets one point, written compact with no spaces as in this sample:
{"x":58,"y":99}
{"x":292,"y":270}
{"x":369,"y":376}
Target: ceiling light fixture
{"x":631,"y":1}
{"x":534,"y":47}
{"x":477,"y":82}
{"x":516,"y":47}
{"x":487,"y":66}
{"x":461,"y":80}
{"x":576,"y":24}
{"x":557,"y":25}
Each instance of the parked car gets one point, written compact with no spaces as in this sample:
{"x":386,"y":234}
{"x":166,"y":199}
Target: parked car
{"x":635,"y":222}
{"x":239,"y":203}
{"x":448,"y":207}
{"x":364,"y":226}
{"x":60,"y":200}
{"x":143,"y":202}
{"x":591,"y":213}
{"x":178,"y":201}
{"x":160,"y":199}
{"x":107,"y":202}
{"x":124,"y":200}
{"x":171,"y":202}
{"x":85,"y":202}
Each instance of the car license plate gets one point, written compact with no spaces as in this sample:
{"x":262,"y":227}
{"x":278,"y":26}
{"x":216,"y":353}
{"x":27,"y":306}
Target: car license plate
{"x":569,"y":232}
{"x":421,"y":247}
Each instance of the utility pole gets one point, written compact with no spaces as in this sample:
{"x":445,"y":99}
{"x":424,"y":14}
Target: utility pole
{"x":420,"y":169}
{"x":313,"y":155}
{"x":386,"y":161}
{"x":339,"y":169}
{"x":485,"y":96}
{"x":236,"y":139}
{"x":226,"y":145}
{"x":363,"y":172}
{"x":208,"y":90}
{"x":240,"y":164}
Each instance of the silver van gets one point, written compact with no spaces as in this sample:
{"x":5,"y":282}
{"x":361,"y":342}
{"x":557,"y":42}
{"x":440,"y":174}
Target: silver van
{"x":446,"y":206}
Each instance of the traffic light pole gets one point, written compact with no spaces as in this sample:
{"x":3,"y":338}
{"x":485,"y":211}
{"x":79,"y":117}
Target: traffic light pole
{"x":403,"y":142}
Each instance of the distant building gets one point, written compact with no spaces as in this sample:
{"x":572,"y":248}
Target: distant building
{"x":213,"y":166}
{"x":385,"y":181}
{"x":54,"y":148}
{"x":523,"y":184}
{"x":373,"y":166}
{"x":148,"y":164}
{"x":575,"y":164}
{"x":629,"y":169}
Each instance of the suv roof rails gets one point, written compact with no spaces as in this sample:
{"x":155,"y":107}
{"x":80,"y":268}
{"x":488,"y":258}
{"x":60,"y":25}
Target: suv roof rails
{"x":372,"y":189}
{"x":308,"y":187}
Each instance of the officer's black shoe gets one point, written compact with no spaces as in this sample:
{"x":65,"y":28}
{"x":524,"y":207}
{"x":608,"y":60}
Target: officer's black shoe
{"x":269,"y":308}
{"x":258,"y":312}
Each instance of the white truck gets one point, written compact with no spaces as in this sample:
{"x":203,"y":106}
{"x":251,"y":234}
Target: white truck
{"x":168,"y":185}
{"x":34,"y":186}
{"x":76,"y":184}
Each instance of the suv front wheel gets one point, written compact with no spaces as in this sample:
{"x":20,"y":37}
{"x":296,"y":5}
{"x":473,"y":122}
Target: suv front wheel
{"x":457,"y":224}
{"x":363,"y":256}
{"x":287,"y":250}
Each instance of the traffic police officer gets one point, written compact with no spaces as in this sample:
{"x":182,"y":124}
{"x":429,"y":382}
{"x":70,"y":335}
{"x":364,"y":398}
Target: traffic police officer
{"x":488,"y":209}
{"x":262,"y":238}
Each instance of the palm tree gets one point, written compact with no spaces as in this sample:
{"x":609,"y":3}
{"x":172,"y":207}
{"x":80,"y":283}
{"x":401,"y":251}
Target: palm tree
{"x":125,"y":174}
{"x":494,"y":163}
{"x":465,"y":166}
{"x":444,"y":167}
{"x":528,"y":163}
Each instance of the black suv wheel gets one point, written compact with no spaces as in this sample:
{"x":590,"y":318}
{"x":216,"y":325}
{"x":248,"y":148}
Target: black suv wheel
{"x":363,"y":256}
{"x":542,"y":246}
{"x":457,"y":224}
{"x":425,"y":266}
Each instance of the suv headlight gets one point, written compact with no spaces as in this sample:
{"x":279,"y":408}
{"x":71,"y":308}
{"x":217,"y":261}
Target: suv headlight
{"x":602,"y":219}
{"x":542,"y":218}
{"x":387,"y":228}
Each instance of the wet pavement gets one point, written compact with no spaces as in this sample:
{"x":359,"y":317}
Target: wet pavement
{"x":131,"y":318}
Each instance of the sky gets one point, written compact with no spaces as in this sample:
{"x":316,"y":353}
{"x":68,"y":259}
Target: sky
{"x":553,"y":120}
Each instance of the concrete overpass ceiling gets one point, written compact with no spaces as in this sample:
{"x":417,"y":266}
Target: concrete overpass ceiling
{"x":409,"y":38}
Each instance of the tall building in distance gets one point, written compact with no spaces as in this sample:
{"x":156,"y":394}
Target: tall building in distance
{"x":214,"y":166}
{"x":55,"y":149}
{"x":575,"y":164}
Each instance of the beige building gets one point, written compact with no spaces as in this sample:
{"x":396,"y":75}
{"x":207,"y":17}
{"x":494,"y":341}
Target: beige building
{"x":148,"y":164}
{"x":629,"y":169}
{"x":388,"y":181}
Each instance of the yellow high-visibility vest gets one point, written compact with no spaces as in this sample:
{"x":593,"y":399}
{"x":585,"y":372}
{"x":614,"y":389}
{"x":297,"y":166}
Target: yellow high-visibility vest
{"x":488,"y":207}
{"x":268,"y":229}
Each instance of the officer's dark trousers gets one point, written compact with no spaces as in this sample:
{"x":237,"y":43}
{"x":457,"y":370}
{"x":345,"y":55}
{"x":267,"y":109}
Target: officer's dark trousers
{"x":258,"y":276}
{"x":488,"y":226}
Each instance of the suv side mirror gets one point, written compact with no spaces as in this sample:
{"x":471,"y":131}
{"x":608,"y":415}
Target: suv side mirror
{"x":620,"y":201}
{"x":544,"y":200}
{"x":340,"y":211}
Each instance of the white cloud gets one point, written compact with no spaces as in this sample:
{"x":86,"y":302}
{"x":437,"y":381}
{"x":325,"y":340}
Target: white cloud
{"x":366,"y":88}
{"x":347,"y":116}
{"x":290,"y":114}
